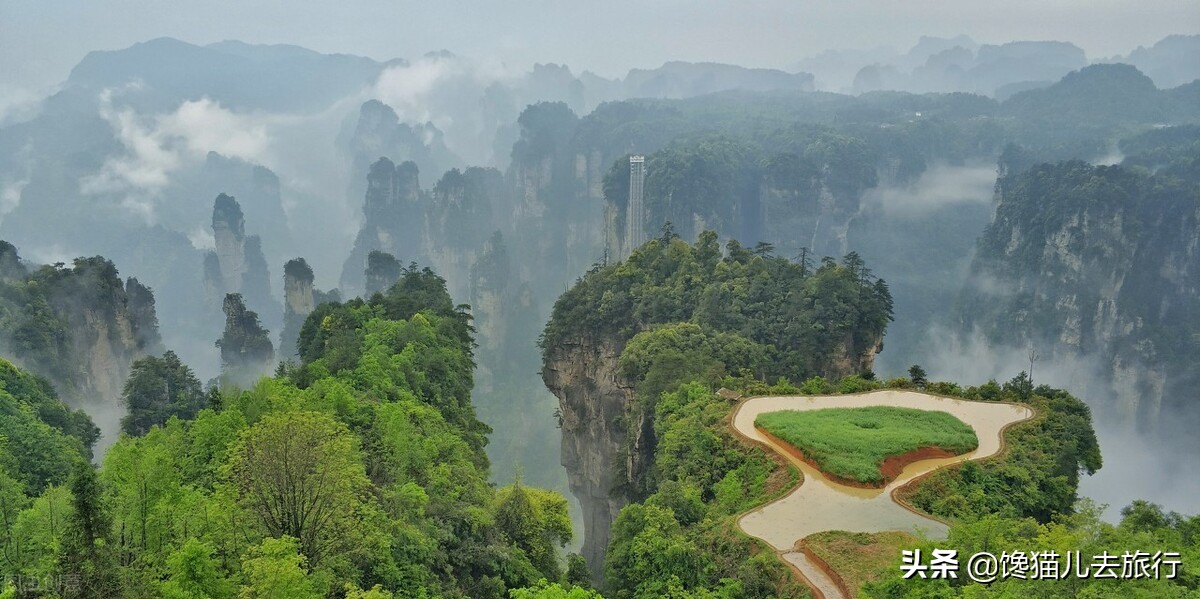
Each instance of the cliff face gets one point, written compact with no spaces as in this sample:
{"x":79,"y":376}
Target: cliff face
{"x":298,"y":303}
{"x":392,"y":220}
{"x":607,"y":446}
{"x":805,"y":214}
{"x":492,"y":297}
{"x":80,"y":327}
{"x":595,"y":405}
{"x":246,"y":350}
{"x":110,"y":327}
{"x":804,"y":197}
{"x":229,"y":233}
{"x":1098,"y":266}
{"x":379,"y":132}
{"x":853,"y":356}
{"x":464,"y":211}
{"x":238,"y":264}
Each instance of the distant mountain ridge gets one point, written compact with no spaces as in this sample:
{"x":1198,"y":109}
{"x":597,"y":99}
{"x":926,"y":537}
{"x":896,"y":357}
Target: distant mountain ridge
{"x":238,"y":75}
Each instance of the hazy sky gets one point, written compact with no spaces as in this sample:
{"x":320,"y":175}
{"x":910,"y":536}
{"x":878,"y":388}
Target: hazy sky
{"x":40,"y":40}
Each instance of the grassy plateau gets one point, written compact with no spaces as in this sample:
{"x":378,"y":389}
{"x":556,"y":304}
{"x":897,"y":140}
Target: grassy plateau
{"x":853,"y":443}
{"x":860,"y":557}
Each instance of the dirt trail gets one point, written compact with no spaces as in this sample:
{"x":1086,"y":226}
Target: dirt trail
{"x":820,"y":504}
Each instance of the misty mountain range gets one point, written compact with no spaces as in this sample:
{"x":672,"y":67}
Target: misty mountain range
{"x":126,"y":158}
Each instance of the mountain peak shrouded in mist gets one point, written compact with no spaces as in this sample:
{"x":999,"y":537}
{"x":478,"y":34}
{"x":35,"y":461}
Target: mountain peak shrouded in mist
{"x":1170,"y":62}
{"x":227,"y":214}
{"x":247,"y":353}
{"x":686,"y":79}
{"x":1101,"y":92}
{"x":10,"y":263}
{"x":239,"y":76}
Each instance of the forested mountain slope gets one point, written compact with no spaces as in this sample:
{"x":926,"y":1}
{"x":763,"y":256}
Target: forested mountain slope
{"x":1099,"y":264}
{"x":81,"y":327}
{"x":362,"y":466}
{"x":626,"y":329}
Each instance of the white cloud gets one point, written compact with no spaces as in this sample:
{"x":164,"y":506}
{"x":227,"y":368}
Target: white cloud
{"x":405,"y":87}
{"x":444,"y":90}
{"x":49,"y":254}
{"x":202,"y":238}
{"x":204,"y":126}
{"x":156,"y":146}
{"x":10,"y":195}
{"x":940,"y":185}
{"x":17,"y":103}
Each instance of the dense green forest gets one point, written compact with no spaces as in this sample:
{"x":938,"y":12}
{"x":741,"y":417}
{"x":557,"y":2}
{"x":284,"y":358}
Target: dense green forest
{"x":790,"y":318}
{"x":42,"y":439}
{"x":357,"y":472}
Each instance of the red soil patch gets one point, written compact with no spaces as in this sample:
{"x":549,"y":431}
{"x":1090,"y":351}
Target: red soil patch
{"x":890,"y":469}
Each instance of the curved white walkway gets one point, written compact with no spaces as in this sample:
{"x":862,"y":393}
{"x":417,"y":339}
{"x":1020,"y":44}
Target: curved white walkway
{"x":820,"y":504}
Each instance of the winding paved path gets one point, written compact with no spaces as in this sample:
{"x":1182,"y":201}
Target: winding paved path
{"x":819,"y":504}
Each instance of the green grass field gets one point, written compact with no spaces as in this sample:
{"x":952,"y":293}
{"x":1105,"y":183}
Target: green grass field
{"x":852,"y":443}
{"x":859,"y":557}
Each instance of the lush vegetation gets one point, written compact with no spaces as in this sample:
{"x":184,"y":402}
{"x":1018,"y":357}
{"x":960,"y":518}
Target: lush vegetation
{"x":690,"y":318}
{"x":806,"y":321}
{"x":358,"y":472}
{"x":158,"y":389}
{"x":852,"y":443}
{"x":859,"y":558}
{"x":46,"y":314}
{"x":1038,"y":474}
{"x":1113,"y":223}
{"x":40,"y":440}
{"x":681,"y":540}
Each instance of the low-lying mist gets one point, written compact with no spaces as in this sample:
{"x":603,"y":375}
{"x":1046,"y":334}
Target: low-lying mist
{"x":941,"y":185}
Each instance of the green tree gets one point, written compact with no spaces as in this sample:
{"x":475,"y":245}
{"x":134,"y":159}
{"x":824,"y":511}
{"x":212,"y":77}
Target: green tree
{"x":194,"y":574}
{"x":648,"y":547}
{"x":536,"y":521}
{"x":917,"y":376}
{"x":1021,"y":385}
{"x":578,"y":574}
{"x":275,"y":569}
{"x":548,"y":590}
{"x":38,"y":535}
{"x":87,"y":557}
{"x":375,"y":592}
{"x":156,"y":390}
{"x":300,"y":474}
